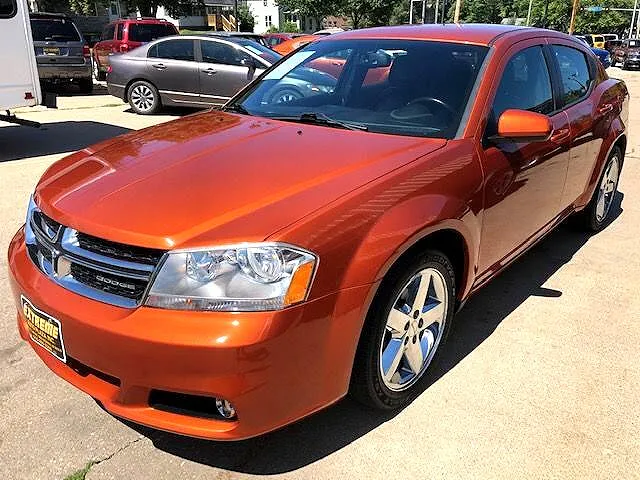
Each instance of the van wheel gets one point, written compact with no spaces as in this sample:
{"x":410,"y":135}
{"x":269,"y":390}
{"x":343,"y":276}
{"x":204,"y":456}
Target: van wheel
{"x":143,"y":98}
{"x":97,"y":73}
{"x":405,"y":330}
{"x":86,"y":85}
{"x":597,"y":213}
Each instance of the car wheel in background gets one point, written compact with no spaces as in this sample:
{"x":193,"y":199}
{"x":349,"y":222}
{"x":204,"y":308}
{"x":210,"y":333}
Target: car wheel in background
{"x":97,"y":73}
{"x":86,"y":85}
{"x":597,"y":213}
{"x":285,"y":95}
{"x":143,"y":98}
{"x":407,"y":325}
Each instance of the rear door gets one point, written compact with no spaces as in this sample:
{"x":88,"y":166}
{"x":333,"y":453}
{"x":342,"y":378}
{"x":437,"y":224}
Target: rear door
{"x":588,"y":114}
{"x":524,"y":183}
{"x":173,"y":69}
{"x":224,"y":69}
{"x":57,"y":41}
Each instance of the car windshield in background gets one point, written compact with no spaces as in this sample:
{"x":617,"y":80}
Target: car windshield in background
{"x":53,"y":30}
{"x":269,"y":55}
{"x":147,"y":32}
{"x":414,"y":88}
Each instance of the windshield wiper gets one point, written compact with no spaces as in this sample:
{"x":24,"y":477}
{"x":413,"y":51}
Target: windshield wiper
{"x":236,"y":108}
{"x":322,"y":119}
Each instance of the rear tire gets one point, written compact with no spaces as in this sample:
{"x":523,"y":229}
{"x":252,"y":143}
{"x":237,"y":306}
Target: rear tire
{"x":144,"y":98}
{"x":597,"y":213}
{"x":86,"y":85}
{"x":386,"y":373}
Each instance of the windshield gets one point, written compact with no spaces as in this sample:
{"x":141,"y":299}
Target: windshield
{"x":53,"y":30}
{"x":416,"y":88}
{"x":259,"y":49}
{"x":147,"y":32}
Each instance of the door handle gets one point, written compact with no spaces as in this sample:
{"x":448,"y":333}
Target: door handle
{"x":159,"y":66}
{"x":560,"y":135}
{"x":210,"y":71}
{"x":605,"y":108}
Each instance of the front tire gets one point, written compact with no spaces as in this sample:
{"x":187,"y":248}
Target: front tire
{"x":143,"y":98}
{"x":597,"y":213}
{"x":407,"y":325}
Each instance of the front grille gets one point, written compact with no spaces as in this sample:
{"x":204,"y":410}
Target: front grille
{"x":114,"y":284}
{"x":118,"y":250}
{"x":107,"y":271}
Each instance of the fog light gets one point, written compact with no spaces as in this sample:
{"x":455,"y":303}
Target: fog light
{"x":225,"y":408}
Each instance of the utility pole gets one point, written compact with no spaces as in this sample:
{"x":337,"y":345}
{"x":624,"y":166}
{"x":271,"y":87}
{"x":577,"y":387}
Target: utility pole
{"x":456,"y":15}
{"x":574,"y":12}
{"x":529,"y":13}
{"x":435,"y":17}
{"x":633,"y":19}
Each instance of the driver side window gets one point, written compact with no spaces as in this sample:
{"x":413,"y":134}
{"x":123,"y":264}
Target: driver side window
{"x":525,"y":85}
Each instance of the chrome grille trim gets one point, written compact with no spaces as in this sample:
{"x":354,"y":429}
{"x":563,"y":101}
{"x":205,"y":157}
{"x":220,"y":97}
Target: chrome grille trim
{"x":58,"y":254}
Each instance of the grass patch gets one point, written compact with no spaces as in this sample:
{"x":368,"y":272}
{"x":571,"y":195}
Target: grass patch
{"x":82,"y":473}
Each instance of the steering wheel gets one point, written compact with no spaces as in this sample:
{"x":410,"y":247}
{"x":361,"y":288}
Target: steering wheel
{"x":409,"y":113}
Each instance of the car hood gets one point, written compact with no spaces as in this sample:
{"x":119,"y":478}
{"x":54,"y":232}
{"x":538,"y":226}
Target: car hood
{"x":214,"y":178}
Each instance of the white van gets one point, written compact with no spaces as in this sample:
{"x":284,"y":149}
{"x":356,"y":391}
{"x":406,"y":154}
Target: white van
{"x":19,"y":83}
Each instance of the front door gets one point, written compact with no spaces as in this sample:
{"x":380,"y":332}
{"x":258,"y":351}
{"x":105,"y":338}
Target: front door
{"x":524,"y":183}
{"x":172,"y":68}
{"x":224,"y":70}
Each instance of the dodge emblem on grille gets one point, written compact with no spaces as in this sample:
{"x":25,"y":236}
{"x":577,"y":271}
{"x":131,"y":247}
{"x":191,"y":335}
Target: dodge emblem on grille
{"x":115,"y":283}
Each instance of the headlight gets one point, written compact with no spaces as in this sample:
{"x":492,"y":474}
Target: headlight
{"x":249,"y":277}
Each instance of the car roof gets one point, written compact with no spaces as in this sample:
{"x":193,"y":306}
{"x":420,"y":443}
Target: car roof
{"x":142,"y":20}
{"x":477,"y":33}
{"x":233,"y":34}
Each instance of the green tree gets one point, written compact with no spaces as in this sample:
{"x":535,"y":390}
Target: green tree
{"x":311,"y":8}
{"x":367,"y":13}
{"x":247,"y":22}
{"x":289,"y":27}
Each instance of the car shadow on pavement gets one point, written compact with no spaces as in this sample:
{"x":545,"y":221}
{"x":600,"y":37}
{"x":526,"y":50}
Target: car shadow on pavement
{"x":327,"y":431}
{"x":19,"y":142}
{"x":73,"y":90}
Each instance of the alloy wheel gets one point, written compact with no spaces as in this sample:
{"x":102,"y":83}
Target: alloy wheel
{"x":142,"y":97}
{"x":607,"y":189}
{"x":413,"y":329}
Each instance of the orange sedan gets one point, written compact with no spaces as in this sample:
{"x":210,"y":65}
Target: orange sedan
{"x":228,"y":273}
{"x":288,"y":46}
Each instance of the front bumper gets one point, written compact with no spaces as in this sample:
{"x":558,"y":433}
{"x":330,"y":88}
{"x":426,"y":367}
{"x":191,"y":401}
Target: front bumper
{"x":275,"y":367}
{"x":64,"y":72}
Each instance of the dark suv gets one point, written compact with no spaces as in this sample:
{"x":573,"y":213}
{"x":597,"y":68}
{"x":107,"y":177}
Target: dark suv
{"x":124,"y":35}
{"x":628,"y":54}
{"x":61,"y":52}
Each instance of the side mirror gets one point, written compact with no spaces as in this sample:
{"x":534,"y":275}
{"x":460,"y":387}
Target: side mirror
{"x":524,"y":126}
{"x":249,"y":62}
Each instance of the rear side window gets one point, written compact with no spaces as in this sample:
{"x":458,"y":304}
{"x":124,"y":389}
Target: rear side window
{"x":215,"y":52}
{"x":120,"y":32}
{"x":147,"y":32}
{"x":54,"y":30}
{"x":525,"y":85}
{"x":107,"y":33}
{"x":173,"y":50}
{"x":8,"y":8}
{"x":574,"y":73}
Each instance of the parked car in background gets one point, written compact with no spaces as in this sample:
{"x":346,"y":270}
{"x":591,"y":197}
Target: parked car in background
{"x":187,"y":70}
{"x":627,"y":54}
{"x":288,"y":46}
{"x":274,"y":39}
{"x":610,"y":36}
{"x":232,"y":272}
{"x":596,"y":40}
{"x":62,"y":54}
{"x":329,"y":31}
{"x":19,"y":82}
{"x":611,"y":45}
{"x":124,"y":35}
{"x":256,"y":37}
{"x":603,"y":55}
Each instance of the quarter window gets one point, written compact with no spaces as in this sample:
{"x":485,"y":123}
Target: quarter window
{"x":8,"y":8}
{"x":216,"y":52}
{"x":525,"y":85}
{"x":574,"y":73}
{"x":120,"y":34}
{"x":173,"y":50}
